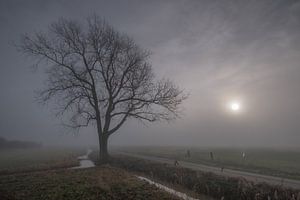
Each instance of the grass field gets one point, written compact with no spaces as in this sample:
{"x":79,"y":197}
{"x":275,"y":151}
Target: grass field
{"x":43,"y":174}
{"x":24,"y":174}
{"x":24,"y":160}
{"x":282,"y":163}
{"x":101,"y":183}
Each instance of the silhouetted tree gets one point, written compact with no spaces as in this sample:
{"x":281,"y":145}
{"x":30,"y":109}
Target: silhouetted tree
{"x":100,"y":76}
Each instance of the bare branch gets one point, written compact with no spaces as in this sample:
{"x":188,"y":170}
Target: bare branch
{"x":98,"y":75}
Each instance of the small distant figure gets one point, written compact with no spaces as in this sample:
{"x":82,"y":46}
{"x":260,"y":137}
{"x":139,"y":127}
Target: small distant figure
{"x":188,"y":154}
{"x":222,"y":168}
{"x":176,"y":163}
{"x":244,"y":155}
{"x":211,"y":155}
{"x":151,"y":174}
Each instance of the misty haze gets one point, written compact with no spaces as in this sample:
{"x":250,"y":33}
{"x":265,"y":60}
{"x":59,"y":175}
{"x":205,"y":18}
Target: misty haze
{"x":170,"y":99}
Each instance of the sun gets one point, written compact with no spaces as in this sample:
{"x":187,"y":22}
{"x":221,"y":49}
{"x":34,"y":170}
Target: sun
{"x":235,"y":106}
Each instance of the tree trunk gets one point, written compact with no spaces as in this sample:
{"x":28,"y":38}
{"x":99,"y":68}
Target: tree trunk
{"x":103,"y":153}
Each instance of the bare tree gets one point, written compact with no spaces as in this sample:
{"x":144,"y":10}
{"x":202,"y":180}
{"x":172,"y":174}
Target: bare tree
{"x":100,"y":76}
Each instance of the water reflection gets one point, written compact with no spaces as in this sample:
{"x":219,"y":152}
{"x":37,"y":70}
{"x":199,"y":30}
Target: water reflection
{"x":85,"y":162}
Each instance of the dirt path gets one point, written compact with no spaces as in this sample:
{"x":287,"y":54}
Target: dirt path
{"x":226,"y":172}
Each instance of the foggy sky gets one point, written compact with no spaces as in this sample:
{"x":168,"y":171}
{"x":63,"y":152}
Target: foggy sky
{"x":215,"y":50}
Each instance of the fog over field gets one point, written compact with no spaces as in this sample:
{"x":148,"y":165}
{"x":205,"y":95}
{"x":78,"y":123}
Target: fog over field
{"x":218,"y":51}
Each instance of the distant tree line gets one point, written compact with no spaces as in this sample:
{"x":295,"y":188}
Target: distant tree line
{"x":16,"y":144}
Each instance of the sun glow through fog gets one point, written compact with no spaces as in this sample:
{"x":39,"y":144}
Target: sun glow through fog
{"x":234,"y":106}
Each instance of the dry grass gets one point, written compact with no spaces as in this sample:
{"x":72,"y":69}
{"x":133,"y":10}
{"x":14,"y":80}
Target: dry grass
{"x":206,"y":183}
{"x":101,"y":183}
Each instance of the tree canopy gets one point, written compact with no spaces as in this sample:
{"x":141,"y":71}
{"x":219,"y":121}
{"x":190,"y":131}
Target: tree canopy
{"x":98,"y":75}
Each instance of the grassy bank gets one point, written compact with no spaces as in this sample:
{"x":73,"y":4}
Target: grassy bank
{"x":42,"y":174}
{"x":101,"y":183}
{"x":204,"y":183}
